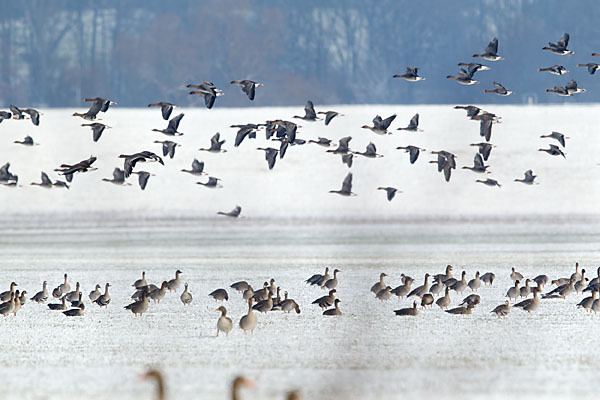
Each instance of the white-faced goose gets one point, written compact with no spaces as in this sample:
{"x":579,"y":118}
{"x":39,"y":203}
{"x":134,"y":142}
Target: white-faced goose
{"x":411,"y":311}
{"x":437,"y":287}
{"x":334,"y":311}
{"x":186,"y":297}
{"x":220,"y":295}
{"x":104,"y":299}
{"x":576,"y":275}
{"x":249,"y":321}
{"x":581,"y":283}
{"x":444,"y":302}
{"x":224,"y":323}
{"x":379,"y":285}
{"x":173,"y":284}
{"x":502,"y":310}
{"x":42,"y":296}
{"x":140,"y":306}
{"x":77,"y":302}
{"x":445,"y":276}
{"x":94,"y":294}
{"x":262,"y":294}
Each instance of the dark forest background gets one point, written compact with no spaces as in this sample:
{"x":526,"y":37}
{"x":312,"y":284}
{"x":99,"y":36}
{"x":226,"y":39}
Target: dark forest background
{"x":55,"y":53}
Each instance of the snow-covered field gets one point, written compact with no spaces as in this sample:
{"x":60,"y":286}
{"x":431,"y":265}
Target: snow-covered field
{"x":97,"y":232}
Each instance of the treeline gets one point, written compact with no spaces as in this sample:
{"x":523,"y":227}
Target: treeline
{"x":55,"y":53}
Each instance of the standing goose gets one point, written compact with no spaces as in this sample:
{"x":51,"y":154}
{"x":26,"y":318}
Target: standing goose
{"x":138,"y":307}
{"x":379,"y":285}
{"x":165,"y":108}
{"x":17,"y":306}
{"x":438,"y":286}
{"x":588,"y":301}
{"x":502,"y":310}
{"x":576,"y":275}
{"x":333,"y":282}
{"x":516,"y":276}
{"x":186,"y":297}
{"x":460,"y":286}
{"x":9,"y":306}
{"x":220,"y":295}
{"x":472,"y":299}
{"x":94,"y":294}
{"x":57,"y":293}
{"x":411,"y":75}
{"x":475,"y":284}
{"x":334,"y":311}
{"x":42,"y":296}
{"x":525,"y":290}
{"x":384,"y":294}
{"x":140,"y":282}
{"x":326,"y":301}
{"x":248,"y":87}
{"x":316,"y":278}
{"x":5,"y":296}
{"x":97,"y":130}
{"x":287,"y":305}
{"x":159,"y":293}
{"x":240,"y":286}
{"x":581,"y":283}
{"x":513,"y":292}
{"x":171,"y":129}
{"x":77,"y":302}
{"x":402,"y":290}
{"x":75,"y":312}
{"x":421,"y":290}
{"x":412,"y":311}
{"x":561,"y":291}
{"x":65,"y":287}
{"x":541,"y":280}
{"x":224,"y":323}
{"x":346,"y":189}
{"x":74,"y":295}
{"x":530,"y":305}
{"x":445,"y":276}
{"x":444,"y":302}
{"x":23,"y":298}
{"x":104,"y":299}
{"x":264,"y":306}
{"x":488,"y":278}
{"x":249,"y":321}
{"x":173,"y":284}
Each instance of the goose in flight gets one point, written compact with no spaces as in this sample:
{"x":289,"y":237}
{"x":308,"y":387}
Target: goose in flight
{"x":558,"y":136}
{"x":555,"y":70}
{"x":309,"y":112}
{"x":165,"y":108}
{"x":197,"y":168}
{"x":270,"y":155}
{"x":478,"y":165}
{"x":118,"y":177}
{"x":171,"y":129}
{"x":168,"y":147}
{"x":484,"y":149}
{"x":489,"y":182}
{"x":390,"y":191}
{"x":591,"y":67}
{"x":342,"y":146}
{"x":208,"y":90}
{"x":248,"y":87}
{"x":485,"y":129}
{"x":444,"y":164}
{"x":27,"y":141}
{"x":16,"y":112}
{"x":215,"y":144}
{"x":233,"y":213}
{"x":97,"y":129}
{"x":380,"y":125}
{"x":464,"y":77}
{"x":322,"y":141}
{"x":244,"y":131}
{"x":5,"y":115}
{"x":559,"y":47}
{"x":347,"y":159}
{"x":6,"y":177}
{"x":329,"y":115}
{"x":474,"y":67}
{"x":554,"y":150}
{"x":572,"y":87}
{"x":528,"y":179}
{"x":410,"y":75}
{"x":491,"y":52}
{"x":81,"y":166}
{"x":46,"y":182}
{"x":560,"y":90}
{"x":413,"y":152}
{"x":413,"y":125}
{"x":34,"y":115}
{"x":99,"y":105}
{"x":212,"y":183}
{"x":143,"y":177}
{"x":471,"y":110}
{"x":499,"y":90}
{"x":132,"y":159}
{"x":346,"y":189}
{"x":370,"y":152}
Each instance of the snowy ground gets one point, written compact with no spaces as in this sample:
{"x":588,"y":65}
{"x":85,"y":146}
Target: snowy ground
{"x":368,"y":352}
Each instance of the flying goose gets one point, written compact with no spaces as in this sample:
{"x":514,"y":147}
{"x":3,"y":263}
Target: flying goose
{"x":555,"y":70}
{"x":208,"y":91}
{"x":197,"y":168}
{"x":380,"y":125}
{"x":478,"y":165}
{"x":413,"y":125}
{"x":413,"y":151}
{"x":130,"y":160}
{"x":346,"y":189}
{"x":211,"y":183}
{"x":215,"y":144}
{"x":235,"y":213}
{"x":489,"y":182}
{"x":309,"y":112}
{"x":329,"y":115}
{"x":491,"y":52}
{"x":499,"y":90}
{"x":165,"y":108}
{"x":464,"y":77}
{"x":248,"y":87}
{"x":390,"y":191}
{"x":591,"y":67}
{"x":118,"y":177}
{"x":97,"y":129}
{"x":46,"y":182}
{"x":554,"y":150}
{"x":528,"y":179}
{"x":143,"y":177}
{"x":168,"y":147}
{"x":557,"y":136}
{"x":560,"y":47}
{"x":411,"y":75}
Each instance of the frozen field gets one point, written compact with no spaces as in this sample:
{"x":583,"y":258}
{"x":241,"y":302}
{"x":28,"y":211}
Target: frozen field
{"x":293,"y":228}
{"x":368,"y":352}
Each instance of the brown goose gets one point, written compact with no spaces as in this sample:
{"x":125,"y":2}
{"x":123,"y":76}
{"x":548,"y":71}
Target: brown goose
{"x":287,"y":305}
{"x":186,"y":297}
{"x":334,"y":311}
{"x":379,"y":285}
{"x":444,"y":302}
{"x":249,"y":321}
{"x":140,"y":306}
{"x":326,"y":301}
{"x":75,"y":312}
{"x":160,"y":385}
{"x":411,"y":311}
{"x":462,"y":310}
{"x":224,"y":323}
{"x":502,"y":310}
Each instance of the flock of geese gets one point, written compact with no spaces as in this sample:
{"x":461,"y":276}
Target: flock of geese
{"x":523,"y":288}
{"x":286,"y":132}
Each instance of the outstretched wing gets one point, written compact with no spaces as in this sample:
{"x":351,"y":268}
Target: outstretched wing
{"x":118,"y":175}
{"x":166,"y":110}
{"x":309,"y":110}
{"x":485,"y":129}
{"x":478,"y":161}
{"x":174,"y":123}
{"x":414,"y":121}
{"x":492,"y":47}
{"x":499,"y":86}
{"x":197,"y":166}
{"x":387,"y":122}
{"x":564,"y":41}
{"x":347,"y":184}
{"x":414,"y":153}
{"x":45,"y":179}
{"x":249,"y":88}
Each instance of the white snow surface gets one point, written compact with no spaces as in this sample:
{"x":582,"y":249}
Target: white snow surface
{"x":293,"y":228}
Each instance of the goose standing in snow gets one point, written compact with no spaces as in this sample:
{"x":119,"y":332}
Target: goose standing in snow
{"x":224,"y":323}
